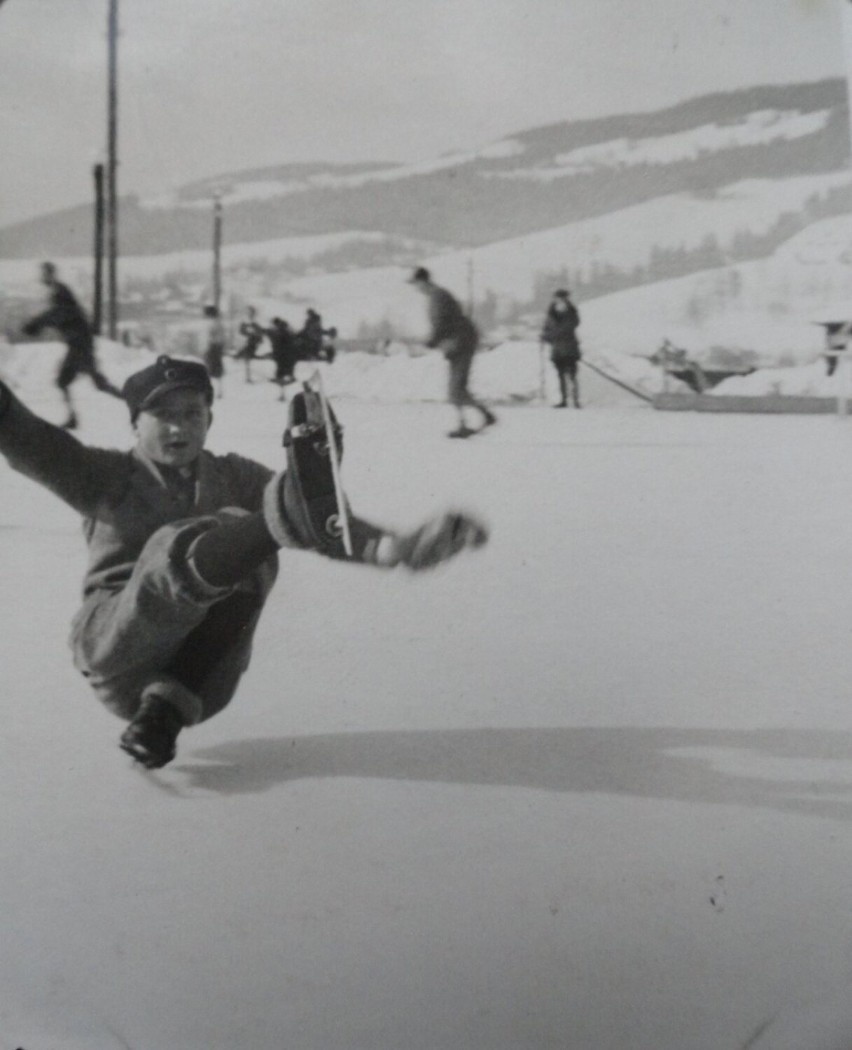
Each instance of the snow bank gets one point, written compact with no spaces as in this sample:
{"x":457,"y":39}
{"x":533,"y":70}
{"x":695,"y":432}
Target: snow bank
{"x":508,"y":373}
{"x":31,"y":367}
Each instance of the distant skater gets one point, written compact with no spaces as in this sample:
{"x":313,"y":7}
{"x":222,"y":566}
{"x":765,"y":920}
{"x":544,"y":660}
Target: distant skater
{"x":253,"y":334}
{"x":66,"y":315}
{"x":309,"y":337}
{"x":457,"y":337}
{"x":214,"y":351}
{"x":281,"y":339}
{"x":560,"y":331}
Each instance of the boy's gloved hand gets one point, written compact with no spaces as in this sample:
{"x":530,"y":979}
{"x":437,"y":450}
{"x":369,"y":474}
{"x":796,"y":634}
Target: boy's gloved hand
{"x":435,"y":541}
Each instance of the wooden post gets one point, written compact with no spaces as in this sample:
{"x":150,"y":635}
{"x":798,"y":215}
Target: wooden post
{"x":112,"y":166}
{"x":97,"y":297}
{"x":217,"y":251}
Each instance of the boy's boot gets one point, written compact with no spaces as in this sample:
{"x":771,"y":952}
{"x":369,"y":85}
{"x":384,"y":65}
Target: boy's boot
{"x":151,"y":736}
{"x":461,"y":431}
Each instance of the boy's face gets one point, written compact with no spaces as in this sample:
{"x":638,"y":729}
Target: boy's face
{"x":172,"y":430}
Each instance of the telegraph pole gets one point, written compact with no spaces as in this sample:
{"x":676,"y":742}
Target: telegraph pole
{"x":846,"y":16}
{"x":843,"y":365}
{"x":97,"y":303}
{"x":217,"y":250}
{"x":112,"y":165}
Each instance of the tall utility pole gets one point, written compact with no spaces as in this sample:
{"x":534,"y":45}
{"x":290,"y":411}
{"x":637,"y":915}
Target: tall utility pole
{"x":217,"y":250}
{"x":112,"y":165}
{"x":846,"y":17}
{"x":97,"y":299}
{"x":843,"y":364}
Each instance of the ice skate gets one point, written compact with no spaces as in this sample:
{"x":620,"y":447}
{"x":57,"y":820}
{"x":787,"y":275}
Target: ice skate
{"x":462,"y":432}
{"x":313,"y":498}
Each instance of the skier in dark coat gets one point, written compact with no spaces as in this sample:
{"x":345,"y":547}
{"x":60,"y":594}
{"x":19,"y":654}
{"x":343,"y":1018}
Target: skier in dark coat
{"x":281,"y":339}
{"x":309,"y":337}
{"x":183,"y":550}
{"x":560,"y":331}
{"x":457,"y":337}
{"x":67,"y":316}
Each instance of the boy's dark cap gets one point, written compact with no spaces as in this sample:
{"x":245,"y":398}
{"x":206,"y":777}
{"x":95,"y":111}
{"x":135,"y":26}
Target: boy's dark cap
{"x":420,"y":274}
{"x":167,"y":373}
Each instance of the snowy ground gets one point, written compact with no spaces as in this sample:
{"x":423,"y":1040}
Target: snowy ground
{"x":586,"y":789}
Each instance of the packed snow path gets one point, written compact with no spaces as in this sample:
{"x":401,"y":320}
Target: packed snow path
{"x":586,"y":789}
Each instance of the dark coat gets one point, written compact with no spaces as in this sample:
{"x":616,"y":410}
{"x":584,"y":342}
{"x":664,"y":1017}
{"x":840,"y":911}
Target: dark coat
{"x":560,"y":331}
{"x":254,"y":335}
{"x":64,"y":314}
{"x":452,"y":330}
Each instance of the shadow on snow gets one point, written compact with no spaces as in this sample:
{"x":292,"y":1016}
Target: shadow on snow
{"x":648,"y":763}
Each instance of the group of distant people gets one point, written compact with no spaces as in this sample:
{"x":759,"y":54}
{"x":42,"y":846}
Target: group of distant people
{"x":451,"y":331}
{"x":313,"y":342}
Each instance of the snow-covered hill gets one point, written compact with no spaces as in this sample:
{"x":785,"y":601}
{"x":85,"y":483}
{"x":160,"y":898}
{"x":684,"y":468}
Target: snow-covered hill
{"x":521,"y":184}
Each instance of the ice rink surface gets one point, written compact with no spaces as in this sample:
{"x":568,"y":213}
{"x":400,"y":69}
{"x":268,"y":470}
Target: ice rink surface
{"x":587,"y":789}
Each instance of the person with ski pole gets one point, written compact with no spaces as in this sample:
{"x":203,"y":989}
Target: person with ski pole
{"x":560,"y":332}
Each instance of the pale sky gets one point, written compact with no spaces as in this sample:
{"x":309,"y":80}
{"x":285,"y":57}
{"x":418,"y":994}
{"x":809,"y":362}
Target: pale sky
{"x":210,"y":86}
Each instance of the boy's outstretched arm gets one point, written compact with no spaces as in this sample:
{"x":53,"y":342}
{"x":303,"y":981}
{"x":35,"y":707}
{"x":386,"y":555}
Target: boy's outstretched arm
{"x":290,"y":522}
{"x":51,"y":456}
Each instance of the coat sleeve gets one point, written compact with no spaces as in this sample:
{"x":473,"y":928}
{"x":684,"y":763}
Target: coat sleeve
{"x":441,"y":316}
{"x":82,"y":477}
{"x":247,"y":480}
{"x":64,"y":314}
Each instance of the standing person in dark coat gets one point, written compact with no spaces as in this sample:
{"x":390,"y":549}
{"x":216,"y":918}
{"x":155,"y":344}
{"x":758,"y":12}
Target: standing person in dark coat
{"x":457,"y":337}
{"x":560,"y":331}
{"x":253,"y":335}
{"x":283,"y":352}
{"x":66,"y":315}
{"x":310,"y":337}
{"x":329,"y":350}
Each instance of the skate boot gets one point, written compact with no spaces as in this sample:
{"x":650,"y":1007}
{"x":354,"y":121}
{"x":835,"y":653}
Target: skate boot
{"x":150,"y":738}
{"x":488,"y":418}
{"x":462,"y":432}
{"x":71,"y":423}
{"x":309,"y":493}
